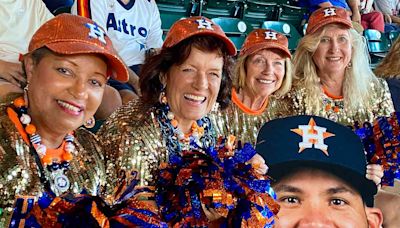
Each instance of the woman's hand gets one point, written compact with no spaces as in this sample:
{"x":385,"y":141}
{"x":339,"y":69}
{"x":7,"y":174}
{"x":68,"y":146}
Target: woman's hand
{"x":374,"y":173}
{"x":211,"y":213}
{"x":12,"y":72}
{"x":258,"y":164}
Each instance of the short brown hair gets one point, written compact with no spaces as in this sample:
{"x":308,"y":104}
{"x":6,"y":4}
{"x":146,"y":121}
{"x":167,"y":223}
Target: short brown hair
{"x":160,"y":63}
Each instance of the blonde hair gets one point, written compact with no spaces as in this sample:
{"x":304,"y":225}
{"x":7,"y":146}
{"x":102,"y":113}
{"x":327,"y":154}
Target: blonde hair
{"x":357,"y":80}
{"x":390,"y":65}
{"x":239,"y":80}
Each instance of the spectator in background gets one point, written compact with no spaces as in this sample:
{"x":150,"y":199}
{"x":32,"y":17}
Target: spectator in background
{"x":390,"y":10}
{"x":133,"y":26}
{"x":389,"y":69}
{"x":19,"y":20}
{"x":371,"y":20}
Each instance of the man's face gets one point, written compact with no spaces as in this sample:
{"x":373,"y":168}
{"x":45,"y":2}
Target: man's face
{"x":313,"y":198}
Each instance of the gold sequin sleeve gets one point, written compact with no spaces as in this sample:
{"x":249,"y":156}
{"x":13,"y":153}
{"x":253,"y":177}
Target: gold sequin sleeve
{"x":244,"y":126}
{"x":19,"y":176}
{"x":131,"y":141}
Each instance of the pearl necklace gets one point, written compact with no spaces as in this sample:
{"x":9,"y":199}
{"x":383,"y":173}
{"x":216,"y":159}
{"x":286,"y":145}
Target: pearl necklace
{"x":56,"y":165}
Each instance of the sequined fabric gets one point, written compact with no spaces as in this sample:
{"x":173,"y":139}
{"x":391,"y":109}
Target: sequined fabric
{"x":19,"y":173}
{"x":234,"y":121}
{"x":131,"y":140}
{"x":381,"y":101}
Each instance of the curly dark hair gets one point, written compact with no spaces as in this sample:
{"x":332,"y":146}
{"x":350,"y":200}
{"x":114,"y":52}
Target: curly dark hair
{"x":160,"y":63}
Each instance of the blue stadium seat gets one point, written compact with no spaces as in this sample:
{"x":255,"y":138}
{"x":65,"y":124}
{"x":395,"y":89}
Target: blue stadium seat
{"x":286,"y":29}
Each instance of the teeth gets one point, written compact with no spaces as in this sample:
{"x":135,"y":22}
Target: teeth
{"x":266,"y":81}
{"x":194,"y":97}
{"x":333,"y":58}
{"x":69,"y":106}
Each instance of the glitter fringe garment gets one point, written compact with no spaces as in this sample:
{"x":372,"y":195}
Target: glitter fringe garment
{"x":381,"y":105}
{"x":19,"y":175}
{"x":234,"y":121}
{"x":131,"y":140}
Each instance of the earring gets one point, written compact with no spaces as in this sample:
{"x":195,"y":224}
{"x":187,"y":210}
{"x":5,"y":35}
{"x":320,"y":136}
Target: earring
{"x":162,"y":98}
{"x":349,"y":65}
{"x":215,"y":107}
{"x":90,"y":122}
{"x":26,"y":88}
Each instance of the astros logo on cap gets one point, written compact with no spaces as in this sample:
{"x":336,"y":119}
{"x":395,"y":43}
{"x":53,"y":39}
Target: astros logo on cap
{"x":96,"y":32}
{"x":270,"y":35}
{"x":204,"y":24}
{"x":313,"y":135}
{"x":329,"y":12}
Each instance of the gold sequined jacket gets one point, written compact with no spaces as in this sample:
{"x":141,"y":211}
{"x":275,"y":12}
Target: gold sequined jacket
{"x":333,"y":108}
{"x":244,"y":125}
{"x":131,"y":141}
{"x":19,"y":173}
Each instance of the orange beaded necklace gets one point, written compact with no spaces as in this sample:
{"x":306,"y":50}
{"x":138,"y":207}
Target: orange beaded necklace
{"x":56,"y":160}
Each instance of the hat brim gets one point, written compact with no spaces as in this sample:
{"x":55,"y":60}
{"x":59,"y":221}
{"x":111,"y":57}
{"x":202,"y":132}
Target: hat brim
{"x":322,"y":23}
{"x":265,"y":45}
{"x":117,"y":66}
{"x":229,"y":44}
{"x":365,"y":187}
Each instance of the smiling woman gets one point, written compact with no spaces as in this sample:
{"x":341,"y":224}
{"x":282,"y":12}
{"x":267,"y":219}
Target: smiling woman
{"x":42,"y":151}
{"x":262,"y":75}
{"x":332,"y":76}
{"x":179,"y":85}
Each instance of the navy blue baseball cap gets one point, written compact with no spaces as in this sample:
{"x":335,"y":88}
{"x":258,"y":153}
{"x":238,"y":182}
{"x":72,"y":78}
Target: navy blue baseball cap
{"x":316,"y":142}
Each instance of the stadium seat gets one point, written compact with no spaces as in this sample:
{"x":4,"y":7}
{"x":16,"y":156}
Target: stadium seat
{"x":222,"y":8}
{"x":287,"y":29}
{"x":292,"y":15}
{"x":173,"y":10}
{"x":256,"y":12}
{"x":234,"y":28}
{"x":393,"y":35}
{"x":378,"y":45}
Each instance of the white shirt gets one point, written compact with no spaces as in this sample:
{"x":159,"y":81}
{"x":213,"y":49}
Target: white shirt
{"x":133,"y":28}
{"x":19,"y":21}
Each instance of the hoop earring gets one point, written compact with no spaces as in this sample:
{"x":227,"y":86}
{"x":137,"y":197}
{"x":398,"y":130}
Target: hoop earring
{"x":90,"y":122}
{"x":26,"y":88}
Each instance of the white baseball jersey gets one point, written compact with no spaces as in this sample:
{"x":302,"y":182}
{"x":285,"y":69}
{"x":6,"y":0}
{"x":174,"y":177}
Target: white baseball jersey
{"x":133,"y":28}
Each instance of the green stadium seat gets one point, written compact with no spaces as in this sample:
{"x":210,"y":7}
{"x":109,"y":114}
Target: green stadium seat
{"x":378,"y":45}
{"x":292,"y":14}
{"x":256,"y":12}
{"x":235,"y":28}
{"x":222,"y":8}
{"x":287,"y":29}
{"x":393,"y":36}
{"x":173,"y":10}
{"x":279,"y":2}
